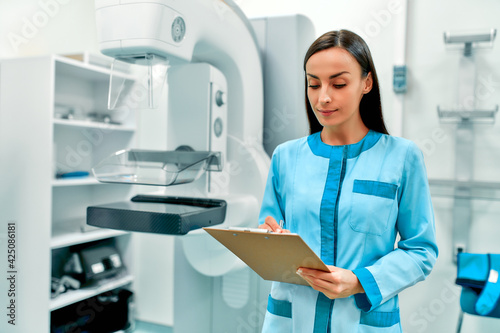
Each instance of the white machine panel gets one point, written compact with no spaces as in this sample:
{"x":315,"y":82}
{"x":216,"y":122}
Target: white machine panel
{"x":198,"y":112}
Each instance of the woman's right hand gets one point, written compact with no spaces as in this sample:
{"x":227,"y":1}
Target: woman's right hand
{"x":271,"y":225}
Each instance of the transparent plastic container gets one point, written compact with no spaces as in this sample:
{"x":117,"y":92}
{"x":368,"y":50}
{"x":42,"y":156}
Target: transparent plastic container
{"x":161,"y":168}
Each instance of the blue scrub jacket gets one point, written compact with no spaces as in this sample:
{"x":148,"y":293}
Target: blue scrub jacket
{"x":349,"y":203}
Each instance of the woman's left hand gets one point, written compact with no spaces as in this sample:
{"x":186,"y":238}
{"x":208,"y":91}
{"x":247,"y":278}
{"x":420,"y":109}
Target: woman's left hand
{"x":338,"y":283}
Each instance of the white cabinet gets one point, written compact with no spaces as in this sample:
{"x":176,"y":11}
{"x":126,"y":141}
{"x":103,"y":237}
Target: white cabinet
{"x":54,"y":121}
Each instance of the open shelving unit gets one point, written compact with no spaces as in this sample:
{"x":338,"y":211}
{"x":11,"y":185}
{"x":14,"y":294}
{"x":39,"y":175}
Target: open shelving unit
{"x":48,"y":109}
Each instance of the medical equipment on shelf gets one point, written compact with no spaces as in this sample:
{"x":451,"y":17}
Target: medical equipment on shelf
{"x":208,"y":54}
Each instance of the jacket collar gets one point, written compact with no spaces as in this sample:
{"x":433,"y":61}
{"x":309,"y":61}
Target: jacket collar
{"x":320,"y":148}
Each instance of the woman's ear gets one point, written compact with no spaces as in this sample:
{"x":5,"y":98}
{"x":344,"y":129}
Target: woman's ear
{"x":368,"y":83}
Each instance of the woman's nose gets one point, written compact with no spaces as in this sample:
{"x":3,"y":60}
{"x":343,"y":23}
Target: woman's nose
{"x":325,"y":97}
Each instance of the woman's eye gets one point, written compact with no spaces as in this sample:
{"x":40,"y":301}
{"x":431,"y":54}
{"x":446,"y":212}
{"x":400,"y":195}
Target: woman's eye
{"x":314,"y":86}
{"x":338,"y":86}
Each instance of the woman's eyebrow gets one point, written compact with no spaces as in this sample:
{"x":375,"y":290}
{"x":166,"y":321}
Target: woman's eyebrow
{"x":331,"y":76}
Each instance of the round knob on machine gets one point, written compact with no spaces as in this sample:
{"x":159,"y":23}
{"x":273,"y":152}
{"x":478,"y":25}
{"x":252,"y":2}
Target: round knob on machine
{"x":220,"y":98}
{"x":178,"y":29}
{"x":218,"y":127}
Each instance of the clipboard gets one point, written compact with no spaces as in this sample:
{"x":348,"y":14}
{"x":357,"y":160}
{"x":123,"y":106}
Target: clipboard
{"x":274,"y":256}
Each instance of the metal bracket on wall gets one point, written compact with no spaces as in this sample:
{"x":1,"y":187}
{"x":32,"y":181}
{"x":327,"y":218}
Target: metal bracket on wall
{"x":465,"y":116}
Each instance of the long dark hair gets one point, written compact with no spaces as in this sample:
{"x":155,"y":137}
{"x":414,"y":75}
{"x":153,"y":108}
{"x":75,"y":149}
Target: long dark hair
{"x":370,"y":107}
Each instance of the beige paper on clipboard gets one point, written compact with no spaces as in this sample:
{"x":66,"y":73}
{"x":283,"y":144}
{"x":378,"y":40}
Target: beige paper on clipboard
{"x":274,"y":256}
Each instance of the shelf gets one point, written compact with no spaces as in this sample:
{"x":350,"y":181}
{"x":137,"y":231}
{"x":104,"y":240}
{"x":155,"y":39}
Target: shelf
{"x":474,"y":116}
{"x":65,"y":237}
{"x":75,"y":181}
{"x":74,"y":296}
{"x":86,"y":71}
{"x":465,"y":189}
{"x":95,"y":59}
{"x":93,"y":124}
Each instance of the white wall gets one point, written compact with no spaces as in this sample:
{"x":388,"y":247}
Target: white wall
{"x":433,"y":80}
{"x":32,"y":27}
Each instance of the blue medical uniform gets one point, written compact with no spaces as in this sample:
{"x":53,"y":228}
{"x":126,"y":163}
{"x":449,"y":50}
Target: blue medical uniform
{"x":349,"y":203}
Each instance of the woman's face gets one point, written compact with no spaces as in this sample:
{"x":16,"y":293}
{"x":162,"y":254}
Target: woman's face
{"x":335,"y":87}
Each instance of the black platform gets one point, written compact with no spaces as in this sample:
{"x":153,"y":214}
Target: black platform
{"x":159,"y":215}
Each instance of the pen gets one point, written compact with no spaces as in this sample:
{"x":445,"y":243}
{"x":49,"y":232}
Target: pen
{"x":281,"y":224}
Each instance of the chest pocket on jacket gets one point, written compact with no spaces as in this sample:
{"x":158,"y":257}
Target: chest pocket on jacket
{"x":372,"y":206}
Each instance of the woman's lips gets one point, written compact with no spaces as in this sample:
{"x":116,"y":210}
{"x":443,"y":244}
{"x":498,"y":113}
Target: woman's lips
{"x":327,"y":112}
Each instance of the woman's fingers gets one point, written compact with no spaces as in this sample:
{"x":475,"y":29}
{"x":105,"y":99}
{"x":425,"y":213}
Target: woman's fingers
{"x":271,"y":224}
{"x":317,"y":277}
{"x":337,"y":283}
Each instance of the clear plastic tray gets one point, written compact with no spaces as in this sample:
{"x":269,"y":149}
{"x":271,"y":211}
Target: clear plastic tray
{"x":162,"y":168}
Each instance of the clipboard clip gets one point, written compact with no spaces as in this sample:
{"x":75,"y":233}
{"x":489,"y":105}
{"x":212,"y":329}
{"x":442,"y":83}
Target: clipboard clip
{"x":263,"y":231}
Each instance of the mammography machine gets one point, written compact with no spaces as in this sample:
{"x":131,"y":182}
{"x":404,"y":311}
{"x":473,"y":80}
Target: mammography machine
{"x":208,"y":54}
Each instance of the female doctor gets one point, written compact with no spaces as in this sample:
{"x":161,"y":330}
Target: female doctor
{"x":348,"y":189}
